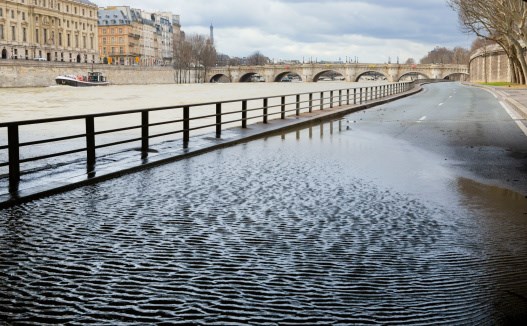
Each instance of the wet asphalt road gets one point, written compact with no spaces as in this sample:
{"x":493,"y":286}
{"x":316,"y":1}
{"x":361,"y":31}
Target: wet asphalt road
{"x":465,"y":125}
{"x":401,"y":215}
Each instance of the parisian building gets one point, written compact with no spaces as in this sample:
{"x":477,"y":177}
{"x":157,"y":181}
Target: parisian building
{"x":50,"y":30}
{"x":129,"y":36}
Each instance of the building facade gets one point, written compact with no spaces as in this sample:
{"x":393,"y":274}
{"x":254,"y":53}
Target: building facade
{"x":129,"y":36}
{"x":49,"y":30}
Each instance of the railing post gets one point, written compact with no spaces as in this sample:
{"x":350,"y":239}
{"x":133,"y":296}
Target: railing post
{"x":144,"y":134}
{"x":340,"y":97}
{"x":331,"y":99}
{"x":244,"y":114}
{"x":218,"y":120}
{"x":354,"y":96}
{"x":90,"y":144}
{"x":310,"y":102}
{"x":360,"y":96}
{"x":186,"y":126}
{"x":265,"y":109}
{"x":298,"y":104}
{"x":282,"y":108}
{"x":321,"y":100}
{"x":366,"y":95}
{"x":348,"y":97}
{"x":14,"y":158}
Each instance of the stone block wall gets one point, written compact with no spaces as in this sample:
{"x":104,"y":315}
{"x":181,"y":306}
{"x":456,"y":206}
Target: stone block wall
{"x":490,"y":65}
{"x":22,"y":73}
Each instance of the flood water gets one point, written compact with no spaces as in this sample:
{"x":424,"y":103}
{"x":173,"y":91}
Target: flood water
{"x":311,"y":227}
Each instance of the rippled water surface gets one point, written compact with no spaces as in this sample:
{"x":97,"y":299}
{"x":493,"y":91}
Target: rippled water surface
{"x":288,"y":230}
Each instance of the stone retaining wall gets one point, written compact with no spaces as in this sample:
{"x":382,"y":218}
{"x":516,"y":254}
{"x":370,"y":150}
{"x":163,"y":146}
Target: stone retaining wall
{"x":490,"y":65}
{"x":21,"y":73}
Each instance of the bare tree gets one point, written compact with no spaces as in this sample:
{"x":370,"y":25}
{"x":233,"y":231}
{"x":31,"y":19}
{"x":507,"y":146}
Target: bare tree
{"x":501,"y":21}
{"x":194,"y":54}
{"x":410,"y":61}
{"x":257,"y":59}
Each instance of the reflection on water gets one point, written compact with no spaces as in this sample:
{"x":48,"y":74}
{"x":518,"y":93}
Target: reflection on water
{"x":309,"y":227}
{"x":494,"y":201}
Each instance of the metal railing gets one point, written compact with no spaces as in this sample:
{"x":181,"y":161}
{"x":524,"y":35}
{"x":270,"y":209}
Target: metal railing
{"x":285,"y":105}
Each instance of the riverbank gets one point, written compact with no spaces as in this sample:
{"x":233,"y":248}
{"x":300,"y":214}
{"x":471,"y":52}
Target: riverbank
{"x":23,"y":73}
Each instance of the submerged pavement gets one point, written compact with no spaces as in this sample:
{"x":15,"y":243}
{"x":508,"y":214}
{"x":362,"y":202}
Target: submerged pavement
{"x":374,"y":218}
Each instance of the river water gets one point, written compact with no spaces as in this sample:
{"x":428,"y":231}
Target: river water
{"x":312,"y":227}
{"x":58,"y":101}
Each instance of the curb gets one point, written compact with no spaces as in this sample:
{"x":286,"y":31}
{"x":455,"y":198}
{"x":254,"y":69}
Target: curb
{"x":516,"y":106}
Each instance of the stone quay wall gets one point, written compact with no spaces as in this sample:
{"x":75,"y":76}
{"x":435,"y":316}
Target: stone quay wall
{"x":490,"y":64}
{"x":21,"y":73}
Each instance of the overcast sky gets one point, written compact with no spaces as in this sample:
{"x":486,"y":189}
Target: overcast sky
{"x":372,"y":30}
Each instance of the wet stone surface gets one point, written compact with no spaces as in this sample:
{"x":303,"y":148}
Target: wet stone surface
{"x":275,"y":232}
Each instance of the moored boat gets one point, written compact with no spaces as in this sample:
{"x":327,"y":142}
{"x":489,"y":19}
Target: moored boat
{"x":93,"y":79}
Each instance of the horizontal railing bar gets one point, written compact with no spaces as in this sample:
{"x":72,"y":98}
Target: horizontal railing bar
{"x":165,"y":134}
{"x":125,"y":112}
{"x":51,"y":140}
{"x":118,"y":143}
{"x":4,"y":147}
{"x":43,"y":157}
{"x":109,"y":131}
{"x":165,"y":123}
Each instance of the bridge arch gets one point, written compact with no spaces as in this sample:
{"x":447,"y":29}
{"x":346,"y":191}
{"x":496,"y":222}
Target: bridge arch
{"x":371,"y":75}
{"x":220,"y":78}
{"x":457,"y":76}
{"x":412,"y":75}
{"x":287,"y":76}
{"x":251,"y":77}
{"x":329,"y":75}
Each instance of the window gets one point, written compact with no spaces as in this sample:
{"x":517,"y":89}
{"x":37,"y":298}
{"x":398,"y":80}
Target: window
{"x":1,"y":32}
{"x":91,"y":42}
{"x":76,"y":41}
{"x":84,"y":42}
{"x":24,"y":34}
{"x":69,"y":40}
{"x":36,"y":36}
{"x":1,"y":12}
{"x":13,"y":33}
{"x":23,"y":16}
{"x":104,"y":41}
{"x":60,"y":39}
{"x":12,"y":14}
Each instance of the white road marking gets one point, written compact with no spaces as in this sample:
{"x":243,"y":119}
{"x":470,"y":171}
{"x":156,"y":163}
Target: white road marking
{"x":441,"y":104}
{"x":422,"y":119}
{"x":515,"y":117}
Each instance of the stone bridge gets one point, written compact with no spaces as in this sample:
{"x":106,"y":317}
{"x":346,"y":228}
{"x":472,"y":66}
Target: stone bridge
{"x":350,"y":72}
